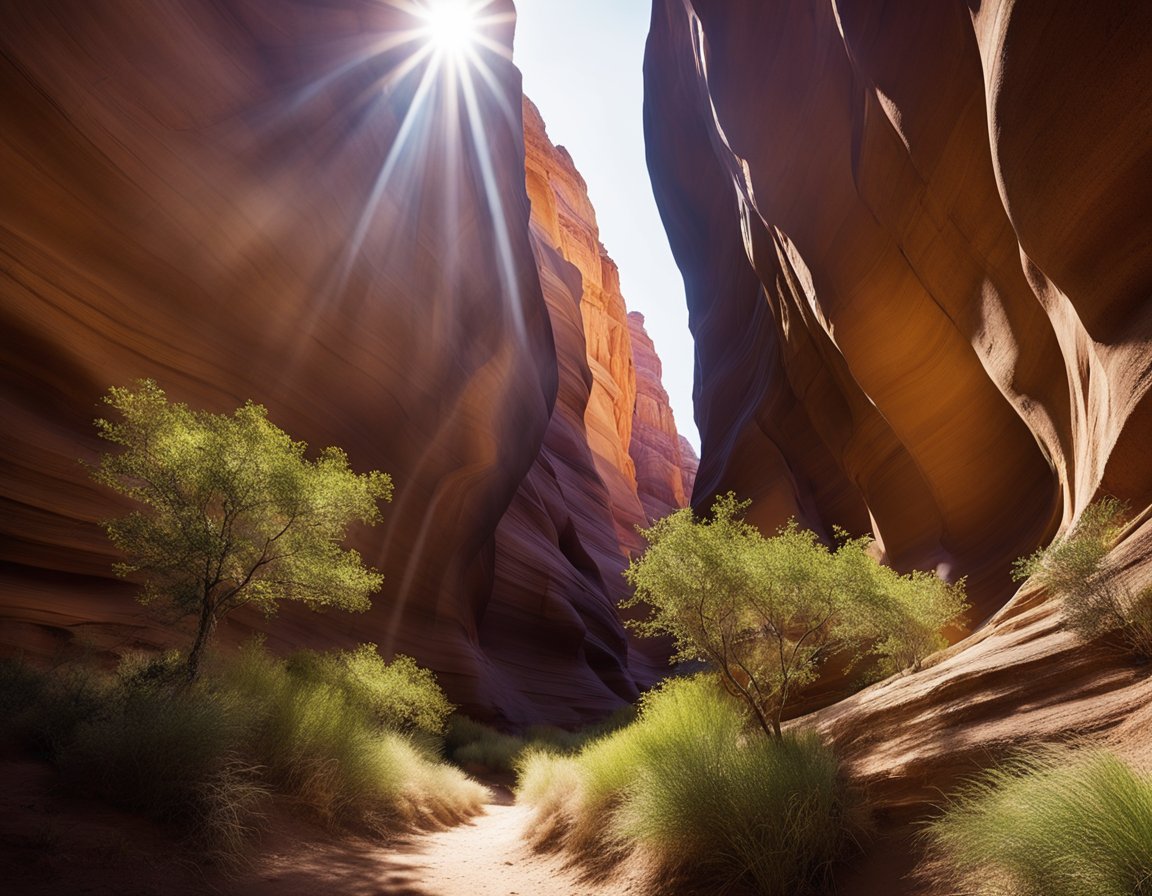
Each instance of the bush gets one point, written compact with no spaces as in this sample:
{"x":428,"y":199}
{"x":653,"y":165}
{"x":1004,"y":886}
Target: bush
{"x":1054,"y":823}
{"x":474,"y":745}
{"x":1073,"y":568}
{"x":400,"y":695}
{"x":690,"y":788}
{"x":207,"y":756}
{"x":320,"y":741}
{"x":767,"y":613}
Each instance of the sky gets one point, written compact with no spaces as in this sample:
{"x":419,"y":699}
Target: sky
{"x":581,"y":61}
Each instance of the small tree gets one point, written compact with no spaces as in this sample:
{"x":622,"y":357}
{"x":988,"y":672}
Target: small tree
{"x":233,"y":513}
{"x":766,"y":612}
{"x":1073,"y":568}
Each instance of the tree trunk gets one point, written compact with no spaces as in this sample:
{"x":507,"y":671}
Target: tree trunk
{"x":203,"y":633}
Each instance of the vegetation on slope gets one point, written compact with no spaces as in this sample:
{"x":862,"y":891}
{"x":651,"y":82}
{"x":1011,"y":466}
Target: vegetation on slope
{"x":766,"y":613}
{"x":692,"y":792}
{"x":1050,"y":823}
{"x":317,"y":731}
{"x":1074,"y":569}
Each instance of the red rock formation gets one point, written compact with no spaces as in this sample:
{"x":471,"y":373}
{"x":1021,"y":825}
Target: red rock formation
{"x":665,"y":461}
{"x":563,"y":544}
{"x":262,"y":199}
{"x":191,"y":197}
{"x":916,"y":246}
{"x":560,"y":203}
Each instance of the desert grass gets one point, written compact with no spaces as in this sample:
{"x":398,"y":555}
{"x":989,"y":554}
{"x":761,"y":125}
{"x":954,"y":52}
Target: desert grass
{"x":212,"y":756}
{"x":696,"y":796}
{"x":1054,"y":822}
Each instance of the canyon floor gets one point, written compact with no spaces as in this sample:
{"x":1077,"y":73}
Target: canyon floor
{"x":52,"y":844}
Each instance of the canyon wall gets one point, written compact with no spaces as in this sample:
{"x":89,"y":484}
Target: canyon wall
{"x":286,"y":201}
{"x":916,"y":248}
{"x":620,"y":444}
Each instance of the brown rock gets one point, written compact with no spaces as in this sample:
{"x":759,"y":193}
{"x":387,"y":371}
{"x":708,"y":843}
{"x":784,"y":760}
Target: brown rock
{"x":916,"y":246}
{"x":665,"y":462}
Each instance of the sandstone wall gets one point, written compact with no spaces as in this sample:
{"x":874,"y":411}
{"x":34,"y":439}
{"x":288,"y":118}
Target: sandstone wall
{"x":270,"y":199}
{"x":919,"y":268}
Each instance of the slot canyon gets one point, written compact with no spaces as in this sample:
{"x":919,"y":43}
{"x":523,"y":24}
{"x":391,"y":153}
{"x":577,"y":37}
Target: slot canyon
{"x":916,"y":249}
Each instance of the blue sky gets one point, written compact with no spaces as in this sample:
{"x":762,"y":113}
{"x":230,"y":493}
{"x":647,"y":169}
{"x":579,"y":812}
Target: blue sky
{"x":582,"y":62}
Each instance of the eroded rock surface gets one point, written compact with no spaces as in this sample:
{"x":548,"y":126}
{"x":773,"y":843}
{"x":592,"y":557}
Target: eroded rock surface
{"x":919,"y":268}
{"x":269,"y":199}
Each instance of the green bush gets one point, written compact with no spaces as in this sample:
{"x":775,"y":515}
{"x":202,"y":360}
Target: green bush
{"x":208,"y":756}
{"x":767,"y":613}
{"x":689,"y":787}
{"x":1074,"y":569}
{"x":322,"y":742}
{"x":400,"y":695}
{"x":1054,"y":823}
{"x":473,"y":744}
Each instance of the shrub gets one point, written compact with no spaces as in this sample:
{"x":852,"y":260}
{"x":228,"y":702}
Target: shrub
{"x":318,"y":741}
{"x":689,"y":788}
{"x":1073,"y":568}
{"x":400,"y":695}
{"x":1053,"y":823}
{"x":473,"y":744}
{"x":207,"y":756}
{"x":766,"y":613}
{"x":232,"y":512}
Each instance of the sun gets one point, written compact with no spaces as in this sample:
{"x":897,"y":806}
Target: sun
{"x":451,"y":26}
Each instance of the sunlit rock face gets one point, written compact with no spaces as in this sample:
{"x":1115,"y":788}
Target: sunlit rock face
{"x":916,"y":245}
{"x":274,"y":200}
{"x":563,"y":545}
{"x":561,"y":206}
{"x":248,"y":200}
{"x":665,"y":461}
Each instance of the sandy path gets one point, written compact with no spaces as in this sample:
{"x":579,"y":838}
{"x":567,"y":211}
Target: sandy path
{"x":486,"y":856}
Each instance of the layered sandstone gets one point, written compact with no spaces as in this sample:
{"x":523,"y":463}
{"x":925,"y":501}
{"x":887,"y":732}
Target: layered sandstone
{"x":916,"y":248}
{"x":665,"y":462}
{"x":561,"y":206}
{"x":612,"y":457}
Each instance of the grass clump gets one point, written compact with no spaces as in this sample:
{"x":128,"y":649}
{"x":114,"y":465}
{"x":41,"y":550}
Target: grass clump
{"x":700,"y":797}
{"x":314,"y":731}
{"x":320,"y":728}
{"x":1053,"y":823}
{"x":1074,"y":569}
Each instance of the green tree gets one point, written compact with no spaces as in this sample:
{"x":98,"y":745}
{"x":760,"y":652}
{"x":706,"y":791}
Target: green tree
{"x":765,"y":613}
{"x":234,"y":513}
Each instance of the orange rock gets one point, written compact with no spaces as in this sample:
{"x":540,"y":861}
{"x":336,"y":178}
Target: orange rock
{"x":190,"y":198}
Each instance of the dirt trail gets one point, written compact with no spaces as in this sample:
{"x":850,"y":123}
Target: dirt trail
{"x":56,"y":844}
{"x":486,"y":856}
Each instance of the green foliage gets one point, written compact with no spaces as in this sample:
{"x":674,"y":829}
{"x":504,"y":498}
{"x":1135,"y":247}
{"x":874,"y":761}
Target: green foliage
{"x":321,"y":740}
{"x":1053,"y":823}
{"x":400,"y":695}
{"x":209,"y":756}
{"x":233,"y":513}
{"x":767,"y":612}
{"x":472,"y":744}
{"x":689,"y":790}
{"x":1074,"y":569}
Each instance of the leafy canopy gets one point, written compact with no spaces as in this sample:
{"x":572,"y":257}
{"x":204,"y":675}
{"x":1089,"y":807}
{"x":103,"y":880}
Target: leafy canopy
{"x":233,"y":512}
{"x":767,"y":612}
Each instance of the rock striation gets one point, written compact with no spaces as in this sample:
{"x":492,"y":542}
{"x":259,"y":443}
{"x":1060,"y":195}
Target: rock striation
{"x":916,"y":250}
{"x":280,"y":200}
{"x":665,"y":461}
{"x":613,"y":416}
